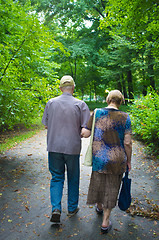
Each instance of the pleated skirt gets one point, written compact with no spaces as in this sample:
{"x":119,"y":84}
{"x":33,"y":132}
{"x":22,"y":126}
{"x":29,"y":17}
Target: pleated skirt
{"x":104,"y":188}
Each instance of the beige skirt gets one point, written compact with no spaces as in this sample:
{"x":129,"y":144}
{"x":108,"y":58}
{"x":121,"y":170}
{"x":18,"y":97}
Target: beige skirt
{"x":104,"y":188}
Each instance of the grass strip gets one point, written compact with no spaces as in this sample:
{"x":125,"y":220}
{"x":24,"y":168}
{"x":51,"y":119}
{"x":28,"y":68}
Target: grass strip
{"x":12,"y":138}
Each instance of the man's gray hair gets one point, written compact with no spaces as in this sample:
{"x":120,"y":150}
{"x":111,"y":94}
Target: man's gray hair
{"x":67,"y":88}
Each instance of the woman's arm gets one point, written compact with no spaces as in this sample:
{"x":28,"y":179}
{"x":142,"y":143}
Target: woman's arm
{"x":85,"y":133}
{"x":128,"y":148}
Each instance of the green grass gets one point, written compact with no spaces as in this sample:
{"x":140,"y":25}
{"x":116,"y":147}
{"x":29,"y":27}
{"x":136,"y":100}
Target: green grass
{"x":11,"y":138}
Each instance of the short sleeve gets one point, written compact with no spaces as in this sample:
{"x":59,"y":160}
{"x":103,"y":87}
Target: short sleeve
{"x":128,"y":125}
{"x":89,"y":124}
{"x":85,"y":114}
{"x":45,"y":116}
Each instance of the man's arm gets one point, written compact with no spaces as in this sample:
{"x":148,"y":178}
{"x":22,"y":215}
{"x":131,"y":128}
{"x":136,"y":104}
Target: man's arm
{"x":86,"y":131}
{"x":85,"y":114}
{"x":45,"y":116}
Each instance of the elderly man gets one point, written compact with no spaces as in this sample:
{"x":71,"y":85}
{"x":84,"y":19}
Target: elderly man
{"x":64,"y":117}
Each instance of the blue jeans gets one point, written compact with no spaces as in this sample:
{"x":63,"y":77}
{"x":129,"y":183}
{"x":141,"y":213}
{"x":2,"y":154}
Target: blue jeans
{"x":57,"y":163}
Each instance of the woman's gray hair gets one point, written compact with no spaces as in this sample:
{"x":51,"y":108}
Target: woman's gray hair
{"x":115,"y":96}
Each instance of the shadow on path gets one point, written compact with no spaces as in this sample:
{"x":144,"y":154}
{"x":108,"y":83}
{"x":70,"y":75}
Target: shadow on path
{"x":25,"y":204}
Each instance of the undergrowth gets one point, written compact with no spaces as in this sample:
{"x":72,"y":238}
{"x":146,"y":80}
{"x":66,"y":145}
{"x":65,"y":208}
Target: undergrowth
{"x":145,"y":120}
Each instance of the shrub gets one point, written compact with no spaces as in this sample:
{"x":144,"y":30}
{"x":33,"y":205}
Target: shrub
{"x":92,"y":105}
{"x":145,"y":119}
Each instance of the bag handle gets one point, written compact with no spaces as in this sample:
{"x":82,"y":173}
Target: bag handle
{"x":127,"y":172}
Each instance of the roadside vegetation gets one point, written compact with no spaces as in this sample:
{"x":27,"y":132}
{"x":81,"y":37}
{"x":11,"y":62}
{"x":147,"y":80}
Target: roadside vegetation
{"x":11,"y":137}
{"x":145,"y":120}
{"x":103,"y":45}
{"x":144,"y":112}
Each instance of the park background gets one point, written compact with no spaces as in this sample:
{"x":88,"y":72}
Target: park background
{"x":103,"y":45}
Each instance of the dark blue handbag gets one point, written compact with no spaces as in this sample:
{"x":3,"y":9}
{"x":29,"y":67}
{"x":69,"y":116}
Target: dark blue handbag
{"x":124,"y":200}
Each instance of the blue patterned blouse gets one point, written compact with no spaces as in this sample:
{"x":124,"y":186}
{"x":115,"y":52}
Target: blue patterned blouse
{"x":108,"y":142}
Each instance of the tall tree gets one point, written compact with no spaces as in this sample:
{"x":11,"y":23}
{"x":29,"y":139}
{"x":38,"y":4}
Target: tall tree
{"x":138,"y":21}
{"x":25,"y":68}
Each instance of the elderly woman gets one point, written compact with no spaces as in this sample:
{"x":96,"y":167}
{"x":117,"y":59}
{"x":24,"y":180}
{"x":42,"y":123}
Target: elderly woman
{"x":112,"y":149}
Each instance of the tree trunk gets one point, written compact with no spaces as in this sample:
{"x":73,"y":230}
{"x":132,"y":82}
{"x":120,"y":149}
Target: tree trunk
{"x":75,"y":70}
{"x":90,"y":94}
{"x":124,"y":88}
{"x":144,"y":89}
{"x":71,"y":68}
{"x":130,"y":84}
{"x":151,"y":70}
{"x":82,"y":91}
{"x":150,"y":64}
{"x":119,"y":85}
{"x":95,"y":92}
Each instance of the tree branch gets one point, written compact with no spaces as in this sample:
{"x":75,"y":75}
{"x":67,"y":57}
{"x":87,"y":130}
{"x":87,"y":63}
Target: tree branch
{"x":99,"y":11}
{"x":12,"y":59}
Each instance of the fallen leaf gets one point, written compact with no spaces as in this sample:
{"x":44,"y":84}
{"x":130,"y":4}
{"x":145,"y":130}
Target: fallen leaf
{"x":28,"y":224}
{"x":26,"y":208}
{"x":117,"y":230}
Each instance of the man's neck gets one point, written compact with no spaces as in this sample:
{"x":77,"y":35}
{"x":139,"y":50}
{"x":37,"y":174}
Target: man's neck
{"x":70,"y":92}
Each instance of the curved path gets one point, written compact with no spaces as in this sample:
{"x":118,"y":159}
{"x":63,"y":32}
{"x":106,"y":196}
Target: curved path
{"x":25,"y":204}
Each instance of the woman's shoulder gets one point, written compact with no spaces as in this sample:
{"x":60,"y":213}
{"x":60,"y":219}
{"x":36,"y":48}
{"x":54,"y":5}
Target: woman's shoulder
{"x":100,"y":111}
{"x":125,"y":114}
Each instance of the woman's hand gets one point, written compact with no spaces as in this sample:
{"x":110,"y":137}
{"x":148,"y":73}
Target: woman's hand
{"x":85,"y":133}
{"x":129,"y":166}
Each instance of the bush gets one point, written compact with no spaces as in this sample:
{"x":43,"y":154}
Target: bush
{"x":92,"y":105}
{"x":18,"y":107}
{"x":145,"y":119}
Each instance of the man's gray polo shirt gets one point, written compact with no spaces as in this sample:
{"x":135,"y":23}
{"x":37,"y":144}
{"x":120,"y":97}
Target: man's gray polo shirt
{"x":65,"y":116}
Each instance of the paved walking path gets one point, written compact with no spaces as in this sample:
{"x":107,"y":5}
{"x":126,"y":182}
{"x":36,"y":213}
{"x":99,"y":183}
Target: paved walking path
{"x":25,"y":204}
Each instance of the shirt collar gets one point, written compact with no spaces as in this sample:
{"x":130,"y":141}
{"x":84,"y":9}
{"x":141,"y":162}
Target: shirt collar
{"x":66,"y":93}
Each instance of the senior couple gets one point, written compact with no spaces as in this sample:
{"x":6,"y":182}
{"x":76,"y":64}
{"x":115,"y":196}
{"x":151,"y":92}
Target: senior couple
{"x":67,"y":119}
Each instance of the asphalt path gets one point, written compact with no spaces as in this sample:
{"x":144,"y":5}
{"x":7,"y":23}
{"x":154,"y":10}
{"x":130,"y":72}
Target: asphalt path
{"x":25,"y":202}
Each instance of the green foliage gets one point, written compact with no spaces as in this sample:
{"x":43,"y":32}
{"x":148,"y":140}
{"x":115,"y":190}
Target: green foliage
{"x":92,"y":105}
{"x":136,"y":19}
{"x":43,"y":40}
{"x":74,"y":12}
{"x":116,"y":54}
{"x":145,"y":118}
{"x":27,"y":77}
{"x":133,"y":26}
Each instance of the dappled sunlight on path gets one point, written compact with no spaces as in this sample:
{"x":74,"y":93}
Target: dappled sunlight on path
{"x":25,"y":204}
